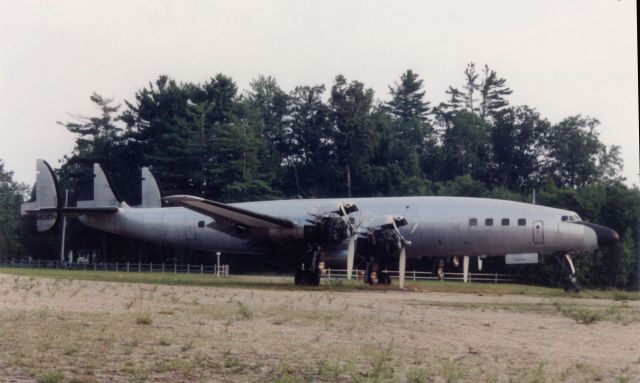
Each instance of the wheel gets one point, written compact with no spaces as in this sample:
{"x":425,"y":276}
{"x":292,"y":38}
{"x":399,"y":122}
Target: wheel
{"x":384,"y":278}
{"x":302,"y":277}
{"x":314,"y":278}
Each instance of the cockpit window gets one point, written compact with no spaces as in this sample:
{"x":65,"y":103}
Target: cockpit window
{"x":571,"y":218}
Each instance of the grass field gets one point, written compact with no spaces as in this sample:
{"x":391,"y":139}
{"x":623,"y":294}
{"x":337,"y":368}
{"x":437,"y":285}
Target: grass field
{"x":283,"y":282}
{"x":79,"y":326}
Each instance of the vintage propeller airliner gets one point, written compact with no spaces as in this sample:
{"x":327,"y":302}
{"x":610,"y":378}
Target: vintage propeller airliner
{"x":376,"y":229}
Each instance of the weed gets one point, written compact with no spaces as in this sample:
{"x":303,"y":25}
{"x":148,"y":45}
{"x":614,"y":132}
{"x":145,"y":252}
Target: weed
{"x":186,"y":347}
{"x":144,"y":318}
{"x":331,"y":369}
{"x":452,"y":371}
{"x":418,"y":375}
{"x":244,"y":312}
{"x":382,"y":370}
{"x":70,"y":350}
{"x":43,"y":313}
{"x":580,"y":315}
{"x":164,"y":342}
{"x":53,"y":376}
{"x":166,"y":312}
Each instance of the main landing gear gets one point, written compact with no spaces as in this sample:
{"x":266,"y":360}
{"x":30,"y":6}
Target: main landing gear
{"x":310,"y":276}
{"x":377,"y":246}
{"x":333,"y":227}
{"x":568,"y":273}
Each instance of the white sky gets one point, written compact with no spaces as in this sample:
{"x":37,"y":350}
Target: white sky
{"x":561,"y":57}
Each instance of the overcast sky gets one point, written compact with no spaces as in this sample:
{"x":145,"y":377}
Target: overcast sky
{"x":561,"y":57}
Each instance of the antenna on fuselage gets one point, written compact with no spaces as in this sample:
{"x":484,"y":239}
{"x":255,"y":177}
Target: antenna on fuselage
{"x":534,"y":197}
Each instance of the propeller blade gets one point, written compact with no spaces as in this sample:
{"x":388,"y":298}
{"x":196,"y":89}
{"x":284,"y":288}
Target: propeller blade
{"x":351,"y":254}
{"x":402,"y":267}
{"x":479,"y":263}
{"x":465,"y":268}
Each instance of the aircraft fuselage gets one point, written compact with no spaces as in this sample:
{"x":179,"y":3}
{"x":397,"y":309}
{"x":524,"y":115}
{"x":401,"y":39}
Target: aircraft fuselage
{"x":437,"y":226}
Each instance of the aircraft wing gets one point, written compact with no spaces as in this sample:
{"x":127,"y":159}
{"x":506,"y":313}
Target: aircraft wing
{"x":227,"y":215}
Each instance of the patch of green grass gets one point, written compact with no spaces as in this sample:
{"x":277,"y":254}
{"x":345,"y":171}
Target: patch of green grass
{"x":625,"y":296}
{"x":286,"y":283}
{"x":581,"y":315}
{"x":52,"y":376}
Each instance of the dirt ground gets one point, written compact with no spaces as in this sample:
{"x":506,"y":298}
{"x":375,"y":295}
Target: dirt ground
{"x":55,"y":330}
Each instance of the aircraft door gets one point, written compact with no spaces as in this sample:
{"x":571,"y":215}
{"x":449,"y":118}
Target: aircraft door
{"x":538,"y":232}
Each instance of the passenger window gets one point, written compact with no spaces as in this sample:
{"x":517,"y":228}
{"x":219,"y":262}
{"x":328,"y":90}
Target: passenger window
{"x":505,"y":221}
{"x":473,"y":222}
{"x":200,"y":223}
{"x":522,"y":222}
{"x":488,"y":221}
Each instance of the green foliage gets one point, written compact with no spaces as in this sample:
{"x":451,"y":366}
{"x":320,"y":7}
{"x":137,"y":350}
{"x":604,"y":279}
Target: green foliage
{"x":53,"y":376}
{"x":11,"y":196}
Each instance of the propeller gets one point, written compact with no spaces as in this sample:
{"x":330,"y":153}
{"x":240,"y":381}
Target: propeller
{"x":351,"y":254}
{"x":402,"y":261}
{"x":465,"y":268}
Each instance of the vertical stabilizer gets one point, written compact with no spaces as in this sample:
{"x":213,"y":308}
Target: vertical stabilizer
{"x":151,"y":196}
{"x":47,"y":197}
{"x":103,"y":195}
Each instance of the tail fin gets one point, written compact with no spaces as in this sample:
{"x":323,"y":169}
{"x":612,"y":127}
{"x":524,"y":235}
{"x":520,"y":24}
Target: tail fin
{"x":103,"y":195}
{"x":151,"y":196}
{"x":47,"y":198}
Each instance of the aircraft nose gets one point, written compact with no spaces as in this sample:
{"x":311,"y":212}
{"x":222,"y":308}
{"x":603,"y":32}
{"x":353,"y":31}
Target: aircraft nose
{"x":605,"y":235}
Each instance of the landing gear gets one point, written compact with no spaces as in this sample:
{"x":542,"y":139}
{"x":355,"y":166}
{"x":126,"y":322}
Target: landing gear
{"x":310,"y":276}
{"x":438,"y":269}
{"x":307,"y":278}
{"x":569,"y":278}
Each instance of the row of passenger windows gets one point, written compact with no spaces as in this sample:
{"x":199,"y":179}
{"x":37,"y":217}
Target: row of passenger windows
{"x":503,"y":222}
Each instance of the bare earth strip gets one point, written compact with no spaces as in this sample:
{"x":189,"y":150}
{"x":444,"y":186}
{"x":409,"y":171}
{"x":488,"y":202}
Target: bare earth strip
{"x":84,"y":331}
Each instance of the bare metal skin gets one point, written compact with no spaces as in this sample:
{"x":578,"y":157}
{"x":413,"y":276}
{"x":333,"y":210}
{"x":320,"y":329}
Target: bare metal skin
{"x":438,"y":226}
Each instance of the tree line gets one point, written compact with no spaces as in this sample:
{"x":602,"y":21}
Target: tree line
{"x":213,"y":140}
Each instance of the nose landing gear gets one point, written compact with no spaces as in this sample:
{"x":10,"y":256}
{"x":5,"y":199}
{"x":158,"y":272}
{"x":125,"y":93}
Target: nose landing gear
{"x":568,"y":273}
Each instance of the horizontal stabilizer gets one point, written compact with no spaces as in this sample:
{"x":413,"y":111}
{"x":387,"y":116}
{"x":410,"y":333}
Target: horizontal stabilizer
{"x":232,"y":214}
{"x":73,"y":211}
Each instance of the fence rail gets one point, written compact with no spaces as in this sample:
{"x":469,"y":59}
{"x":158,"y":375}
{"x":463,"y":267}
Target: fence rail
{"x":124,"y":267}
{"x":426,"y":275}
